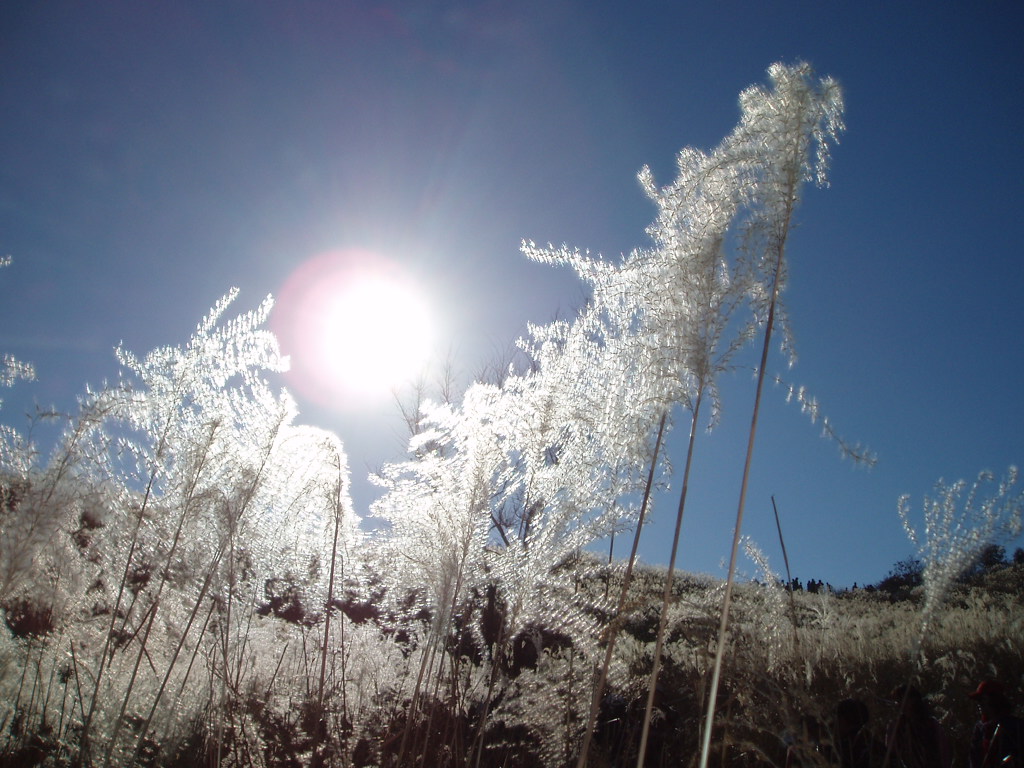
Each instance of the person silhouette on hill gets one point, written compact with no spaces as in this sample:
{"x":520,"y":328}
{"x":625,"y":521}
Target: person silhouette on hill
{"x":998,"y":737}
{"x":915,"y":738}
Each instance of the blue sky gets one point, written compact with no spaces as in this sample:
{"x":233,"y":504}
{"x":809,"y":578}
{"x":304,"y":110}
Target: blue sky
{"x":154,"y":155}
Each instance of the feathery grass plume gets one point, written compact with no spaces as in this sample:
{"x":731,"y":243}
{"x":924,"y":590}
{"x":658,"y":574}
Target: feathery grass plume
{"x":772,"y":615}
{"x":544,"y":462}
{"x":810,"y":406}
{"x":669,"y":308}
{"x":771,"y":149}
{"x":960,"y":520}
{"x":15,"y":450}
{"x":170,"y":497}
{"x":677,"y":303}
{"x":42,"y":577}
{"x":437,"y":505}
{"x":615,"y":398}
{"x":556,"y":481}
{"x":190,"y":426}
{"x":696,"y":213}
{"x":12,"y":370}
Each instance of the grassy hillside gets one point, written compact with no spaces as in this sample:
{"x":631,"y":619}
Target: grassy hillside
{"x":522,"y":701}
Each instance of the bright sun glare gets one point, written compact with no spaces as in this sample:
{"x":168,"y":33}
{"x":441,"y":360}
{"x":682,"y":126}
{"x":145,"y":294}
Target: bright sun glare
{"x":376,"y":333}
{"x":355,"y":327}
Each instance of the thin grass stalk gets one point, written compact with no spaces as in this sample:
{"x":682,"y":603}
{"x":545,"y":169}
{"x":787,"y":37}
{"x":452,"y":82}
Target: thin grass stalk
{"x":30,"y":707}
{"x":666,"y":597}
{"x":461,"y":696}
{"x":225,"y":644}
{"x":730,"y":580}
{"x":306,"y":675}
{"x":63,"y":711}
{"x":447,"y":736}
{"x":174,"y":659}
{"x":131,"y":683}
{"x":232,"y":520}
{"x":433,"y":653}
{"x":602,"y":677}
{"x":277,"y":669}
{"x":330,"y":588}
{"x":21,"y":681}
{"x":84,"y":741}
{"x":49,"y":688}
{"x":427,"y":661}
{"x":161,"y":444}
{"x":78,"y":682}
{"x":438,"y":679}
{"x":567,"y":760}
{"x":344,"y":682}
{"x":426,"y":665}
{"x":159,"y":592}
{"x":63,"y":752}
{"x":453,"y":735}
{"x":27,"y":722}
{"x":393,"y":710}
{"x":789,"y":580}
{"x":492,"y":681}
{"x":40,"y":689}
{"x":245,"y":741}
{"x":210,"y":714}
{"x":246,"y":644}
{"x":195,"y":652}
{"x":611,"y":557}
{"x":327,"y":613}
{"x":434,"y":663}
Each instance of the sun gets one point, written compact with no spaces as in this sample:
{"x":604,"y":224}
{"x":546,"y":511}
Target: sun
{"x":355,"y":327}
{"x":376,"y":333}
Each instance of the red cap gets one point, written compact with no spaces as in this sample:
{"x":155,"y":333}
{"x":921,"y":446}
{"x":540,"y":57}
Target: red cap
{"x":987,"y":688}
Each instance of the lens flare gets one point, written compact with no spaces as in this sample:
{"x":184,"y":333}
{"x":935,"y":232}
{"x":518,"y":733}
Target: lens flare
{"x":354,"y":325}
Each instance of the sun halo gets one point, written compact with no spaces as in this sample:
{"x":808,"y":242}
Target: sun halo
{"x":355,"y":327}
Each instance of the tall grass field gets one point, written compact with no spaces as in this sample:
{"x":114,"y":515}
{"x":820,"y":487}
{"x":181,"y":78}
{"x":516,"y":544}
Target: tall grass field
{"x":184,"y":580}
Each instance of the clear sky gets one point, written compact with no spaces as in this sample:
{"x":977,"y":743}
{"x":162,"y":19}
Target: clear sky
{"x":152,"y":155}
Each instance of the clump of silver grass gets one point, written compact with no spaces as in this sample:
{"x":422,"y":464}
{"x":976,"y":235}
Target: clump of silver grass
{"x":959,"y":522}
